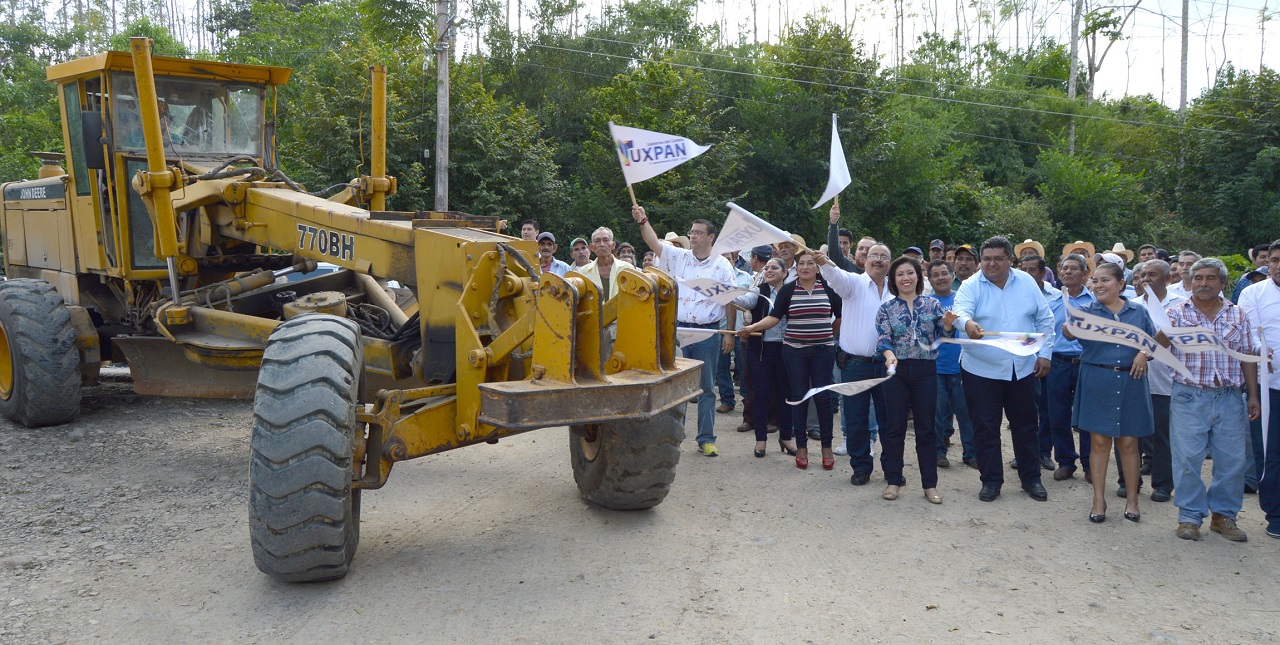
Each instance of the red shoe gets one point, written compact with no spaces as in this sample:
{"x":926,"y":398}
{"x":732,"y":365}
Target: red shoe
{"x":828,"y":463}
{"x":802,"y":463}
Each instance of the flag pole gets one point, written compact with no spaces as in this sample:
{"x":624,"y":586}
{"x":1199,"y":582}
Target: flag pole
{"x":632,"y":191}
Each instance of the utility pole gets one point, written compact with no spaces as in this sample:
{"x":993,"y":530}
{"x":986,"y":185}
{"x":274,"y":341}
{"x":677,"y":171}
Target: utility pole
{"x":443,"y":24}
{"x":1182,"y":93}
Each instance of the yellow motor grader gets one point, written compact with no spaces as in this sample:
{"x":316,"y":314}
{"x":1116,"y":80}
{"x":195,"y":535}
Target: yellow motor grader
{"x":173,"y":242}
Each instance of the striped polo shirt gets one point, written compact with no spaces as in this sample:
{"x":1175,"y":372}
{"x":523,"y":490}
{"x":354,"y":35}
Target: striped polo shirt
{"x":808,"y":314}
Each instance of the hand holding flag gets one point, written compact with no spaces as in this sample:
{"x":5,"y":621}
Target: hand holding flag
{"x":839,"y":178}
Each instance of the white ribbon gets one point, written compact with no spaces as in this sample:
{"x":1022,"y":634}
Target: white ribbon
{"x":849,"y":388}
{"x":1016,"y":343}
{"x":1096,"y":328}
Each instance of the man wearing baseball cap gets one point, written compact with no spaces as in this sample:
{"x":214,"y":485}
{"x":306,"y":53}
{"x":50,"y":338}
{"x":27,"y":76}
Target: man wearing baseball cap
{"x":547,"y":255}
{"x":937,"y":250}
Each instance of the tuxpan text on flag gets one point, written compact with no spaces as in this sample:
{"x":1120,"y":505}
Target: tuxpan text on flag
{"x":645,"y":154}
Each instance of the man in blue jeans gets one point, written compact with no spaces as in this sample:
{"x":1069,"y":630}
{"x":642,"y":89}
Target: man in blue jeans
{"x":950,"y":388}
{"x":1207,"y":412}
{"x":1064,"y":369}
{"x":694,"y":309}
{"x":862,"y":296}
{"x":1261,"y":304}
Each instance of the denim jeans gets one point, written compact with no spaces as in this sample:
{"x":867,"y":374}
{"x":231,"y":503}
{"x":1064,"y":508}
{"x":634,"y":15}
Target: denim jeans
{"x":1203,"y":419}
{"x":725,"y":367}
{"x":914,"y":387}
{"x":857,"y":429}
{"x":707,"y":351}
{"x":1253,"y":465}
{"x":951,"y":400}
{"x":1063,"y":375}
{"x":810,"y":367}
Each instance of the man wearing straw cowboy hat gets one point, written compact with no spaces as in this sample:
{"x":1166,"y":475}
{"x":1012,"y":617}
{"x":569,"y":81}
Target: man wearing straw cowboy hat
{"x":1032,"y":247}
{"x":1080,"y":248}
{"x":1119,"y":250}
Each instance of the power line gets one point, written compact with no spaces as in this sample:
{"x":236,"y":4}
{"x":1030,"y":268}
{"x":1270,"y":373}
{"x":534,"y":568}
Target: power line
{"x":794,"y":107}
{"x":1018,"y":93}
{"x":907,"y":94}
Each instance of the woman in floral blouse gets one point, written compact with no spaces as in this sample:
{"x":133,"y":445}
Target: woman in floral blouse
{"x":908,"y":326}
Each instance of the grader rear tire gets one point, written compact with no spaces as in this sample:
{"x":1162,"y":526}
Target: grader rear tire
{"x":304,"y":515}
{"x":39,"y":361}
{"x":627,"y":465}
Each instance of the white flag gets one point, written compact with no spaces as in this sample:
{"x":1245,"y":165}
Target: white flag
{"x":1156,"y":311}
{"x":686,"y":336}
{"x":839,"y":178}
{"x":645,"y":154}
{"x":742,"y":229}
{"x":721,"y":293}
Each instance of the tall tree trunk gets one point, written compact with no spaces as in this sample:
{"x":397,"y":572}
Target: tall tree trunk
{"x":1074,"y":75}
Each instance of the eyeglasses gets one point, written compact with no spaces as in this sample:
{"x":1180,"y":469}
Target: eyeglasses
{"x":995,"y":259}
{"x":878,"y":256}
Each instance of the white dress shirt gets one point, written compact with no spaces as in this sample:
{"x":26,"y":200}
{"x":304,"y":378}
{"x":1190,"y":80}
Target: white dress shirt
{"x":862,"y":300}
{"x":1261,"y":304}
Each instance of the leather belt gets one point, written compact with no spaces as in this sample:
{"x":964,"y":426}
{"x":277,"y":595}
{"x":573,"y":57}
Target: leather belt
{"x":1113,"y":368}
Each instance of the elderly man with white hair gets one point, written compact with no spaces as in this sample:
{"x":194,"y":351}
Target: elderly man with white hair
{"x":604,"y":270}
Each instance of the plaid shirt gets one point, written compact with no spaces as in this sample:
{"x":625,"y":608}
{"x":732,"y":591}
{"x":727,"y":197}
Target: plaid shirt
{"x":1214,"y":369}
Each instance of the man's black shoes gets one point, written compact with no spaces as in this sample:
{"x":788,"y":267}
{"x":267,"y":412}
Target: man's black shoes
{"x":1036,"y":491}
{"x":858,"y":479}
{"x":989,"y":492}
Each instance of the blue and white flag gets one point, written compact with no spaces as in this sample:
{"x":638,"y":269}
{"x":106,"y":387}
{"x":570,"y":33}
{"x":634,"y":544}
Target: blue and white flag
{"x":645,"y":154}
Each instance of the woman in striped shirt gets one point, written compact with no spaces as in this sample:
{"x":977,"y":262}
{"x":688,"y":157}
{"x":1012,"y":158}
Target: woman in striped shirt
{"x":808,"y":349}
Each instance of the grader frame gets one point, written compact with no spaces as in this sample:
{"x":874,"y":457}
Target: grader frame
{"x":166,"y":251}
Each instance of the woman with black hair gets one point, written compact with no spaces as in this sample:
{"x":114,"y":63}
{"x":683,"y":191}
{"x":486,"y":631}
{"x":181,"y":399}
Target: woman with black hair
{"x":764,"y":362}
{"x":908,"y":326}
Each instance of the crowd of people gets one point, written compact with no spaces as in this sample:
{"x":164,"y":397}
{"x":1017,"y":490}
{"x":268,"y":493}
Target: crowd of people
{"x":850,"y":311}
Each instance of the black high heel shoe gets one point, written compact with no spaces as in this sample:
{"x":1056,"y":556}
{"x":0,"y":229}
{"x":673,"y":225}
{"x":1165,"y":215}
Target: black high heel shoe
{"x":1133,"y":517}
{"x":1100,"y":517}
{"x":759,"y":452}
{"x":783,"y":446}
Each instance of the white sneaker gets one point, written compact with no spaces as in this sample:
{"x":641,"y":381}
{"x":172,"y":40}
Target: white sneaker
{"x":841,"y":451}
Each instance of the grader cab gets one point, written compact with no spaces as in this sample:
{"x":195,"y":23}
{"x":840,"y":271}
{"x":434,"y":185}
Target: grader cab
{"x":166,"y":241}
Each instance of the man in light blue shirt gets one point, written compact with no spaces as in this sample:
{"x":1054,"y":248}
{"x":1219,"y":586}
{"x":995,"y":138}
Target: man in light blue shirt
{"x":1065,"y":369}
{"x":1034,"y":266}
{"x":547,"y":261}
{"x":1002,"y":298}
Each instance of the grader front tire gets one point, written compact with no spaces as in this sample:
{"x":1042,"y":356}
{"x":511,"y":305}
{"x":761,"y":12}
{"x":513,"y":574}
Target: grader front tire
{"x":627,"y":465}
{"x":304,"y":515}
{"x":39,"y":361}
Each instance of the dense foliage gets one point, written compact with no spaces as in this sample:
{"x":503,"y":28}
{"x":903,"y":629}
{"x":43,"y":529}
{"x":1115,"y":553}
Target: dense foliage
{"x":958,"y":142}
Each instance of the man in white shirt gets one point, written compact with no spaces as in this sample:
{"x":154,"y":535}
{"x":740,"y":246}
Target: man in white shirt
{"x":694,"y":309}
{"x":1185,"y":260}
{"x":858,"y":360}
{"x":1155,"y":273}
{"x":1261,"y":304}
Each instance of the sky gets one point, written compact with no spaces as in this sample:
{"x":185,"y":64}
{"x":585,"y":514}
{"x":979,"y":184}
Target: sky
{"x":1145,"y":61}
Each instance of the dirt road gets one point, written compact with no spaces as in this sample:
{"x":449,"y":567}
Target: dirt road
{"x":129,"y":526}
